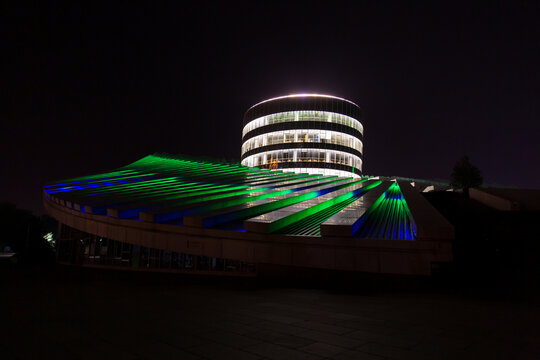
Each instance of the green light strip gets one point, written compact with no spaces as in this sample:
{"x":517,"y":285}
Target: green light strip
{"x":297,"y":216}
{"x":256,"y":210}
{"x":388,"y":218}
{"x":311,"y":225}
{"x":233,"y":199}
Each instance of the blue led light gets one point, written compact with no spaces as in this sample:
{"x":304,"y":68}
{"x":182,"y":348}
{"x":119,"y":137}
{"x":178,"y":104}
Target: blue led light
{"x":86,"y":181}
{"x":82,"y":187}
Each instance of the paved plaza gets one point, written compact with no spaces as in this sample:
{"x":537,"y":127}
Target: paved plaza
{"x":53,"y":317}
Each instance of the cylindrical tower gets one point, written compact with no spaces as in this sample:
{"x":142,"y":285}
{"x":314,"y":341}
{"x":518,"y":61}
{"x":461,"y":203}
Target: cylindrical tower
{"x":316,"y":134}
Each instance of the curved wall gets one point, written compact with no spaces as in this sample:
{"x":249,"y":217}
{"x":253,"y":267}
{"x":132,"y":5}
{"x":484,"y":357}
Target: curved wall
{"x":317,"y":134}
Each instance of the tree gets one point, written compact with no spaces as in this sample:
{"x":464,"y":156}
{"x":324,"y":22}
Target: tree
{"x":465,"y":175}
{"x":23,"y":233}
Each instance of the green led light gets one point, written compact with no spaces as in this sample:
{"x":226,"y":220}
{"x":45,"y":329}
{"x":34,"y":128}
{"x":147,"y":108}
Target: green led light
{"x":300,"y":215}
{"x":389,"y":217}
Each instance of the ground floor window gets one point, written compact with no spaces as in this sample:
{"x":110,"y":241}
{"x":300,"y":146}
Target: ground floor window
{"x":77,"y":247}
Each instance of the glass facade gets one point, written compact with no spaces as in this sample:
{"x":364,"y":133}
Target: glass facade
{"x":81,"y":248}
{"x":325,"y":172}
{"x":288,"y":116}
{"x":316,"y":139}
{"x":272,"y":159}
{"x":303,"y":136}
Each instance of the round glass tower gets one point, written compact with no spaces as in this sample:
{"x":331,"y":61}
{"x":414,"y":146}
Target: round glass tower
{"x":310,"y":133}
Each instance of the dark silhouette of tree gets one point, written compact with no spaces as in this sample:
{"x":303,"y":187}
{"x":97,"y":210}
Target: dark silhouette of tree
{"x":465,"y":175}
{"x":22,"y":232}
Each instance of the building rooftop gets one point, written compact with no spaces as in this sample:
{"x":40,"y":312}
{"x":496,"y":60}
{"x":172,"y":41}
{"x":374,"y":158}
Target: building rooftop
{"x":178,"y":191}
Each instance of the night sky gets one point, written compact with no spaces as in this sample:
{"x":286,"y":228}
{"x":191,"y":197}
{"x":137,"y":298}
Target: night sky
{"x":87,"y":89}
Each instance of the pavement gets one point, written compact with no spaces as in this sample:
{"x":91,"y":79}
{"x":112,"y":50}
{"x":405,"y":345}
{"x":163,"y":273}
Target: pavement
{"x":51,"y":317}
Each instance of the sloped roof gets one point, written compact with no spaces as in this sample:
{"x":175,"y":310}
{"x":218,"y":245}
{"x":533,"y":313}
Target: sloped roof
{"x":173,"y":190}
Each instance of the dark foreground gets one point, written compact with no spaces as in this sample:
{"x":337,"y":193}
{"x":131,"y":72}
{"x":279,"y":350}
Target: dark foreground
{"x":59,"y":314}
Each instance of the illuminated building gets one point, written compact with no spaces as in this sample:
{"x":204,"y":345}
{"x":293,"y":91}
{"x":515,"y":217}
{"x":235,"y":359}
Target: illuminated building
{"x":298,"y":200}
{"x":310,"y":133}
{"x":165,"y":213}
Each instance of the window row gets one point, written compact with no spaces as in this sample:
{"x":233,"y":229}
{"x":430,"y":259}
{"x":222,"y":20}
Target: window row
{"x":322,"y":171}
{"x":304,"y":115}
{"x":272,"y":158}
{"x":302,"y":136}
{"x":83,"y":248}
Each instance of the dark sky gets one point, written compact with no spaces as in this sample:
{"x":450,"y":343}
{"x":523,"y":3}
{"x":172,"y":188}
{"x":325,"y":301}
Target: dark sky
{"x":92,"y":88}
